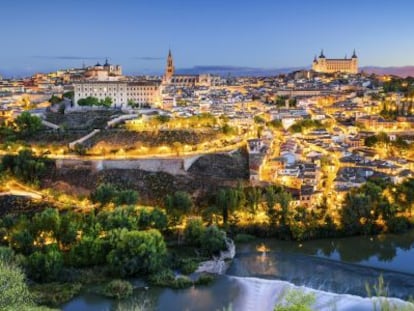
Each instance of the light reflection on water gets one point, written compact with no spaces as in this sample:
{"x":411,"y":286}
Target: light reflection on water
{"x":336,"y":265}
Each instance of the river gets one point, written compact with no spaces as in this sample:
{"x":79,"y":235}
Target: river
{"x":335,"y":270}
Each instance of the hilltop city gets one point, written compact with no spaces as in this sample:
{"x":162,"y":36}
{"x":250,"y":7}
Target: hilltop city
{"x":101,"y":171}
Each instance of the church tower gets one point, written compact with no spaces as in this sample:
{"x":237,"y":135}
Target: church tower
{"x":169,"y":71}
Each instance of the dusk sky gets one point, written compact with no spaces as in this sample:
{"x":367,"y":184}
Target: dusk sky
{"x":46,"y":35}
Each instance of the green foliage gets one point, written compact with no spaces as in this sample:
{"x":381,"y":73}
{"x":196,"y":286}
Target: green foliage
{"x":259,"y":120}
{"x":177,"y":205}
{"x":118,"y":289}
{"x":193,"y":232}
{"x":89,"y":251}
{"x":213,"y":240}
{"x":228,"y":130}
{"x":27,"y":125}
{"x":14,"y":292}
{"x":45,"y":266}
{"x":106,"y":193}
{"x":24,"y":166}
{"x":93,"y":101}
{"x":55,"y":99}
{"x":69,"y":94}
{"x":228,"y":200}
{"x":136,"y":252}
{"x":296,"y":300}
{"x":54,"y":294}
{"x":188,"y":265}
{"x":276,"y":124}
{"x":162,"y":118}
{"x":307,"y":124}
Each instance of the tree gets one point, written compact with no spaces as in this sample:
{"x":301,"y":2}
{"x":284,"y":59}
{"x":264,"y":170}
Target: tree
{"x":24,"y":166}
{"x":89,"y":251}
{"x":45,"y":266}
{"x":104,"y":194}
{"x":89,"y":101}
{"x":177,"y":205}
{"x":193,"y":232}
{"x":213,"y":240}
{"x":137,"y":252}
{"x":126,"y":197}
{"x":55,"y":99}
{"x":107,"y":102}
{"x":283,"y":198}
{"x":15,"y":294}
{"x":46,"y":225}
{"x":68,"y":230}
{"x":27,"y":125}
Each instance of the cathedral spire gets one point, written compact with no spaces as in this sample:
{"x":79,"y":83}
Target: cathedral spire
{"x":169,"y":70}
{"x":322,"y":55}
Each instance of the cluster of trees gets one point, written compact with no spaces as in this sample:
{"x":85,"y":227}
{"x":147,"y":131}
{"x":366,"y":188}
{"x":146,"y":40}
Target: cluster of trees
{"x":305,"y":124}
{"x":237,"y":208}
{"x":402,"y":85}
{"x":24,"y":166}
{"x":107,"y":193}
{"x":127,"y":240}
{"x":93,"y":101}
{"x":280,"y":101}
{"x":24,"y":126}
{"x":390,"y":110}
{"x":384,"y":141}
{"x":378,"y":206}
{"x":210,"y":239}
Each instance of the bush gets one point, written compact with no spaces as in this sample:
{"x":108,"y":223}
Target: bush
{"x":182,"y":282}
{"x":54,"y":294}
{"x":296,"y":300}
{"x":14,"y":292}
{"x":193,"y":232}
{"x":118,"y":289}
{"x":162,"y":278}
{"x":213,"y":240}
{"x":188,"y":266}
{"x":45,"y":266}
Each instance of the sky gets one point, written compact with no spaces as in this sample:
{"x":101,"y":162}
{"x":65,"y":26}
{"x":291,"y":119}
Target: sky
{"x":46,"y":35}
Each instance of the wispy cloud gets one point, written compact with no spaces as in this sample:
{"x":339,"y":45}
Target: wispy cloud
{"x":148,"y":58}
{"x":67,"y":57}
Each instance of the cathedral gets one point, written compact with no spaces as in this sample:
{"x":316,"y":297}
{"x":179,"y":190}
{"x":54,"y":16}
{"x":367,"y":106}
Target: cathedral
{"x":331,"y":65}
{"x":186,"y":80}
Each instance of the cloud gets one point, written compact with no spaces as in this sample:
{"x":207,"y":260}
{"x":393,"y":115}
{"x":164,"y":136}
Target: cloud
{"x":148,"y":58}
{"x":67,"y":57}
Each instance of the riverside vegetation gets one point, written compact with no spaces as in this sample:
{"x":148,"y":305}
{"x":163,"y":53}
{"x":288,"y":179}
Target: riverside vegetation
{"x":61,"y":250}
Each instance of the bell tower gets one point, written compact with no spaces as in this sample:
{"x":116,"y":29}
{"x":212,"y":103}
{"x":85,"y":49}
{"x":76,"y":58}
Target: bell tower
{"x":169,"y":71}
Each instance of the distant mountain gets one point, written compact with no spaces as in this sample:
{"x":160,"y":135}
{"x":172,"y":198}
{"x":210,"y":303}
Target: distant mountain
{"x":237,"y":71}
{"x":403,"y":71}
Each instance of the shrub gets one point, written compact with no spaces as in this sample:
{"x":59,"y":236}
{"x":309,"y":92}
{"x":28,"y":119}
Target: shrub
{"x":188,"y":266}
{"x":213,"y":240}
{"x":118,"y":289}
{"x":193,"y":232}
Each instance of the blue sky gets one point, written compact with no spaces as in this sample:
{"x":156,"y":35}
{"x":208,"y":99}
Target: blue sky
{"x":46,"y":35}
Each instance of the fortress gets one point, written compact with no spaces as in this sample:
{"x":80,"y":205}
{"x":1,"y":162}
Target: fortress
{"x":331,"y":65}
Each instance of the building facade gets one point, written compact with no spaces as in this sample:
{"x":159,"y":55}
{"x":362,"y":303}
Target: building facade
{"x":186,"y":80}
{"x":332,"y":65}
{"x":122,"y":93}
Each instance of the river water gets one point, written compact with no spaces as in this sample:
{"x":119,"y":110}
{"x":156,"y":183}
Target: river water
{"x":335,"y":270}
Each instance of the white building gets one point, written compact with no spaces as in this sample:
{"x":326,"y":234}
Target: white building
{"x":122,"y":93}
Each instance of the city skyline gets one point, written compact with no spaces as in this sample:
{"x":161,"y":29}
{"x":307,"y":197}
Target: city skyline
{"x":209,"y":33}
